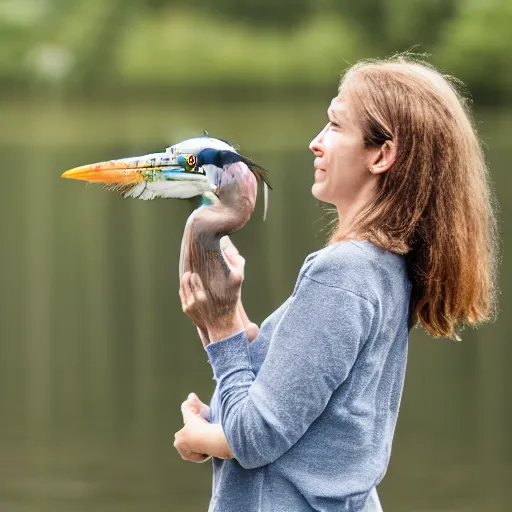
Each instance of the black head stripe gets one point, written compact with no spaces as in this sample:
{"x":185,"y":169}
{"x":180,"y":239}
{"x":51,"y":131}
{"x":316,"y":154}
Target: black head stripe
{"x":257,"y":170}
{"x":226,"y":157}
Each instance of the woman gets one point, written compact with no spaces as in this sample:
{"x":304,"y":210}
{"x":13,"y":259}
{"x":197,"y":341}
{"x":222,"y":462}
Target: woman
{"x":303,"y":417}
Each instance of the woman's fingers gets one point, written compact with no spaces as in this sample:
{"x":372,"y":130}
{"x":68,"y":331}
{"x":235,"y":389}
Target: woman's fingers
{"x":187,"y":411}
{"x":197,"y":288}
{"x":227,"y":244}
{"x":193,"y":403}
{"x":243,"y":314}
{"x":197,"y":457}
{"x":252,"y":331}
{"x":200,"y":303}
{"x":193,"y":407}
{"x":235,"y":261}
{"x":199,"y":407}
{"x":182,"y":297}
{"x":191,"y":290}
{"x":183,"y":447}
{"x":185,"y":289}
{"x":189,"y":301}
{"x":186,"y":439}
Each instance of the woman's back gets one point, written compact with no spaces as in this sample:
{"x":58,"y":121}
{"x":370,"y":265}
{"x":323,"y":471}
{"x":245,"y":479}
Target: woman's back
{"x":316,"y":427}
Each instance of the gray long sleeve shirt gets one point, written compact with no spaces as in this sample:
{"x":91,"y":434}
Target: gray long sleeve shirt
{"x":309,"y":407}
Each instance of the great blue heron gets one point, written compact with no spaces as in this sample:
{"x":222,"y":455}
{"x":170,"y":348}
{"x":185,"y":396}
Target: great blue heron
{"x":202,"y":166}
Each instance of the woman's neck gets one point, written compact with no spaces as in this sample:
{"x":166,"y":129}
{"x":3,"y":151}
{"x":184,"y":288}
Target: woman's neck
{"x":350,"y":211}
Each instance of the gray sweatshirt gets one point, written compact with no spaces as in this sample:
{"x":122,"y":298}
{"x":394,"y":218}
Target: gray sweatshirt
{"x":309,"y":407}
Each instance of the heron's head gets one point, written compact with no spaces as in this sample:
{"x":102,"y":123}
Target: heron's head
{"x":190,"y":168}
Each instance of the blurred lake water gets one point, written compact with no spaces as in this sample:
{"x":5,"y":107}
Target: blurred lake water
{"x":96,"y":355}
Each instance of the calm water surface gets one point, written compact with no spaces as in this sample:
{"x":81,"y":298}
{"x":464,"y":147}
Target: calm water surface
{"x":96,"y":356}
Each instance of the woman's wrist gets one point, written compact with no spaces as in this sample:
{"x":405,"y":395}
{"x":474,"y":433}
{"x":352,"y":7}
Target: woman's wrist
{"x":225,"y":327}
{"x":214,"y":443}
{"x":203,"y":335}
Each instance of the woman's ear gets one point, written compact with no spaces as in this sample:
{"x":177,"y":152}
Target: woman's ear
{"x":384,"y":158}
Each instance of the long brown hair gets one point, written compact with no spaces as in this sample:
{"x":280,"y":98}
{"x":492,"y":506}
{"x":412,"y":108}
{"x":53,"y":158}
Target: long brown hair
{"x":434,"y":204}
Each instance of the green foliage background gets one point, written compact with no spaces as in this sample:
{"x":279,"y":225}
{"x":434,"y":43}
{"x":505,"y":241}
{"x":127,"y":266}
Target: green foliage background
{"x":104,"y":46}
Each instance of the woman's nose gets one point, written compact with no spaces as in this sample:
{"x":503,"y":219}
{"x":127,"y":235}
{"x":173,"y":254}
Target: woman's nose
{"x":316,"y":144}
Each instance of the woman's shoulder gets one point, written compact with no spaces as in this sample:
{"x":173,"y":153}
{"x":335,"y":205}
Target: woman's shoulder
{"x":358,"y":266}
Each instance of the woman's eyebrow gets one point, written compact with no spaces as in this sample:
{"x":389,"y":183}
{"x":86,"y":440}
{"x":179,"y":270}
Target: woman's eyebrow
{"x":332,"y":113}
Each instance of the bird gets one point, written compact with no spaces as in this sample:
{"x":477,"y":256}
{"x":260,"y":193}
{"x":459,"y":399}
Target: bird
{"x":211,"y":168}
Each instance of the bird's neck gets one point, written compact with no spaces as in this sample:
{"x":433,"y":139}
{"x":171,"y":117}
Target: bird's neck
{"x":200,"y":249}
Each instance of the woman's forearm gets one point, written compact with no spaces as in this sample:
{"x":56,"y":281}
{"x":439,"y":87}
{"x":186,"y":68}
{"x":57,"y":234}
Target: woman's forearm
{"x":214,"y":442}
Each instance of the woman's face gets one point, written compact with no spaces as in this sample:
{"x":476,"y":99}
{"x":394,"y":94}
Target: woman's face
{"x":342,"y":162}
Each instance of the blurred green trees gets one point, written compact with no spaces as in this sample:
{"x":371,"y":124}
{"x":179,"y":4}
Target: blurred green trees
{"x":141,"y":45}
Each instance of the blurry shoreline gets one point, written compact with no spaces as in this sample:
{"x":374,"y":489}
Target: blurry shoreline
{"x":106,"y":49}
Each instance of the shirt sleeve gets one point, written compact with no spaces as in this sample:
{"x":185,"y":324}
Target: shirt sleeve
{"x":311,"y":353}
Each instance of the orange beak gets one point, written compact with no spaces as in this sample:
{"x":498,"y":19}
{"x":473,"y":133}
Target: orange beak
{"x":105,"y":172}
{"x":125,"y":171}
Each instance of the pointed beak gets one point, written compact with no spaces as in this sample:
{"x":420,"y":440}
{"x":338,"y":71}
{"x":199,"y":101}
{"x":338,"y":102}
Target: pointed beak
{"x":125,"y":171}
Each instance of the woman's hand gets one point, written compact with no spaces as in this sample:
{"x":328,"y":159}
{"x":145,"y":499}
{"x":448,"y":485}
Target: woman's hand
{"x":237,"y":262}
{"x":251,"y":329}
{"x":196,"y":303}
{"x":189,"y":440}
{"x":197,"y":407}
{"x":198,"y":439}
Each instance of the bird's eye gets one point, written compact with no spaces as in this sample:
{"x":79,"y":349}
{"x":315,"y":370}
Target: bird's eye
{"x":189,"y":163}
{"x":191,"y":160}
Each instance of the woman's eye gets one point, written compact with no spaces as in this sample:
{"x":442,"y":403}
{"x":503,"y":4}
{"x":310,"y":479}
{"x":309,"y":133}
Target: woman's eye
{"x":333,"y":124}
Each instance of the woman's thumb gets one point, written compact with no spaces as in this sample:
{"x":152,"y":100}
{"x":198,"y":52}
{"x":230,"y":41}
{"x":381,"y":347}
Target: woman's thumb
{"x":194,"y":402}
{"x":234,"y":260}
{"x":199,"y":407}
{"x":227,"y":244}
{"x":230,"y":251}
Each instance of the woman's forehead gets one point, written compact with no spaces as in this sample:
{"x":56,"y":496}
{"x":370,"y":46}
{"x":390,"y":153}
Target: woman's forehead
{"x":341,"y":109}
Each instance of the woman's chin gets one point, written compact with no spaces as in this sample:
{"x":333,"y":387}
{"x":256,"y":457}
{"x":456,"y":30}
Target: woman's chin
{"x":318,"y":191}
